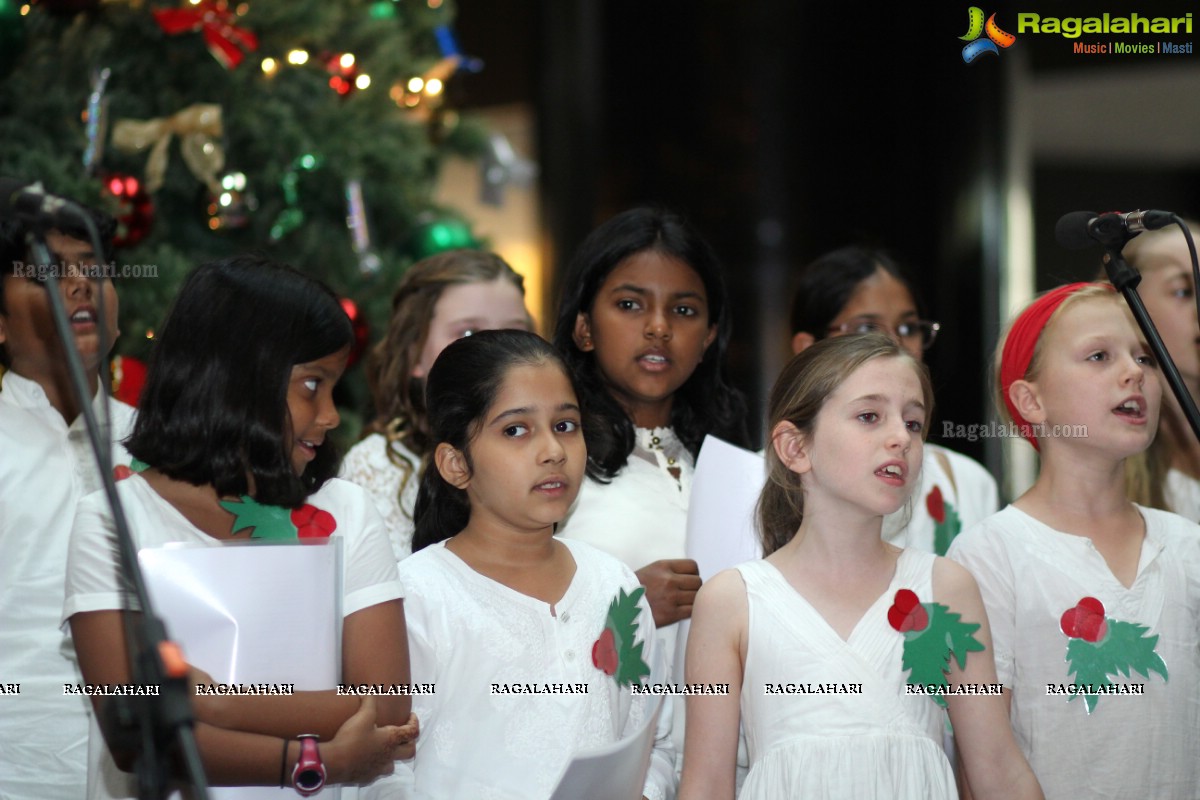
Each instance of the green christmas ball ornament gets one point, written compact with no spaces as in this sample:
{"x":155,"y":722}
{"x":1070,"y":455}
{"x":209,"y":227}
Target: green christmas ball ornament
{"x":436,"y":234}
{"x":12,"y":34}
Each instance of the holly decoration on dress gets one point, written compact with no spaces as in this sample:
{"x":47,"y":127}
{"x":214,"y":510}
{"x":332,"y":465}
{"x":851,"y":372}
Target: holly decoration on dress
{"x":615,"y":653}
{"x":1101,"y":647}
{"x":276,"y":523}
{"x":946,"y":522}
{"x":932,"y":635}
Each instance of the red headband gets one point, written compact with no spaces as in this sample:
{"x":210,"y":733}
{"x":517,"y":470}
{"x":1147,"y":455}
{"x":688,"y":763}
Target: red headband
{"x":1023,"y":338}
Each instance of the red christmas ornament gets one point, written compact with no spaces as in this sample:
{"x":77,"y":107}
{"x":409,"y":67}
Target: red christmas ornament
{"x":134,"y":208}
{"x":907,"y":613}
{"x":1085,"y":621}
{"x":604,"y":653}
{"x":362,"y":333}
{"x":312,"y":522}
{"x":935,"y":505}
{"x":213,"y":18}
{"x":343,"y":70}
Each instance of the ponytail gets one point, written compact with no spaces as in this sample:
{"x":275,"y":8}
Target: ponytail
{"x":441,"y":511}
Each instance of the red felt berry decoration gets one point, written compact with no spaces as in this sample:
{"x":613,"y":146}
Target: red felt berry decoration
{"x":604,"y":653}
{"x":121,"y":472}
{"x":907,"y":613}
{"x":312,"y":522}
{"x":936,"y":505}
{"x":1085,"y":621}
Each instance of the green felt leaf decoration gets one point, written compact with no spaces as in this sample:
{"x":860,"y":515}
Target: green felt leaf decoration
{"x":927,"y":652}
{"x":268,"y":522}
{"x":945,"y":531}
{"x":1124,"y":650}
{"x":622,"y":622}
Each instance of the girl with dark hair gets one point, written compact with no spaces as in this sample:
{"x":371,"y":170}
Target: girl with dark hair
{"x":538,"y":640}
{"x":862,"y":290}
{"x":644,"y":324}
{"x":440,"y":299}
{"x":848,"y":419}
{"x":234,"y":416}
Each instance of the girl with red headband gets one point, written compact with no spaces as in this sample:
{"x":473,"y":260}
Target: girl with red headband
{"x":1094,"y":601}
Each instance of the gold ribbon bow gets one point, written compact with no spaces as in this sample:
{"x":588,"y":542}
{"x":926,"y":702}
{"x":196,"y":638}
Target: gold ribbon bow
{"x":198,"y":128}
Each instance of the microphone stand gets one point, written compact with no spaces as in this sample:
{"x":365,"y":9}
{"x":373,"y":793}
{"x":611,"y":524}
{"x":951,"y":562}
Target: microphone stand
{"x":1125,"y":278}
{"x":139,"y":723}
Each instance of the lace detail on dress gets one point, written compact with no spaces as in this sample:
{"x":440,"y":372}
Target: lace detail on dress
{"x":367,"y":464}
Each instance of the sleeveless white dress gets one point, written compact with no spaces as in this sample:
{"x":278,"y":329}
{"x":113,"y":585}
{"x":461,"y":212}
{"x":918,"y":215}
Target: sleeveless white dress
{"x":838,"y":723}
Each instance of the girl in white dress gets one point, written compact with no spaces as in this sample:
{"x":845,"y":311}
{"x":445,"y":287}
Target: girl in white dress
{"x":820,"y":640}
{"x":440,"y":299}
{"x":532,"y":645}
{"x":1094,"y":601}
{"x":233,"y":430}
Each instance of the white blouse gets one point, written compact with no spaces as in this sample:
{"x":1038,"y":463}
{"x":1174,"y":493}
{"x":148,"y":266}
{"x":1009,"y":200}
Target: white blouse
{"x":469,"y":634}
{"x":1130,"y":745}
{"x":1183,"y":494}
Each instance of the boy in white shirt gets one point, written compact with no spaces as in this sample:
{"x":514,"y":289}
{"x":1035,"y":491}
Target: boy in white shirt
{"x":46,"y":467}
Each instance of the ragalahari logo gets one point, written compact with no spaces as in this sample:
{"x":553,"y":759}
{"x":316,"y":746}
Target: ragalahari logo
{"x":976,"y":28}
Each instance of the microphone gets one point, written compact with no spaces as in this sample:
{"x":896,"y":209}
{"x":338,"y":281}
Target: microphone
{"x":1080,"y":229}
{"x":29,"y":203}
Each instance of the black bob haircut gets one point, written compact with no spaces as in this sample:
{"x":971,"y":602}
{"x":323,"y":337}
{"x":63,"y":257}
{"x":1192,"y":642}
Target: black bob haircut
{"x":826,"y":285}
{"x":705,"y":403}
{"x":461,"y":386}
{"x":214,"y":407}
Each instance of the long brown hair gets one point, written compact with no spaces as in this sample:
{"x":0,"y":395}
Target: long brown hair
{"x":797,"y":397}
{"x":399,"y":397}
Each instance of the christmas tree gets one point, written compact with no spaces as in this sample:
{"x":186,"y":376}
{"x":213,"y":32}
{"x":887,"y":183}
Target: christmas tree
{"x":309,"y":131}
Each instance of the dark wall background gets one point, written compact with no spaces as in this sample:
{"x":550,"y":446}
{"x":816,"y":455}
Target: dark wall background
{"x":784,"y":129}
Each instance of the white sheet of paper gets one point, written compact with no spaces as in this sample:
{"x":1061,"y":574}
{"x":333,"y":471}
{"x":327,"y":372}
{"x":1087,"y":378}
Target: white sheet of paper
{"x":253,"y":613}
{"x":720,"y":521}
{"x":614,"y":771}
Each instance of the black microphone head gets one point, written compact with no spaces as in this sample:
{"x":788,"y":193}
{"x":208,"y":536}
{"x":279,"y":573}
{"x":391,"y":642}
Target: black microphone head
{"x":1071,"y":231}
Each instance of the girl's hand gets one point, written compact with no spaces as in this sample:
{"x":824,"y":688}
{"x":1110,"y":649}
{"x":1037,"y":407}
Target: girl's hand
{"x":362,"y":751}
{"x":671,"y":587}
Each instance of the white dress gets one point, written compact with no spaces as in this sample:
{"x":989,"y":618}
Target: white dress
{"x":949,"y":501}
{"x":881,"y":743}
{"x":368,"y":573}
{"x":46,"y":466}
{"x":1183,"y":494}
{"x":469,"y":634}
{"x":368,"y":465}
{"x":1029,"y":575}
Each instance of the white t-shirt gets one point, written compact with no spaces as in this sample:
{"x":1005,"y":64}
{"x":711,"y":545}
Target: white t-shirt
{"x":368,"y":465}
{"x":1183,"y":494}
{"x":368,"y":572}
{"x":945,"y":504}
{"x":46,"y":466}
{"x":468,"y":633}
{"x":1130,"y":745}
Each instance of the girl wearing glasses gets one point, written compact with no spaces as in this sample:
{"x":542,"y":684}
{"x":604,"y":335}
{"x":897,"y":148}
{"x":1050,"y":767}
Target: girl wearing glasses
{"x":861,"y":290}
